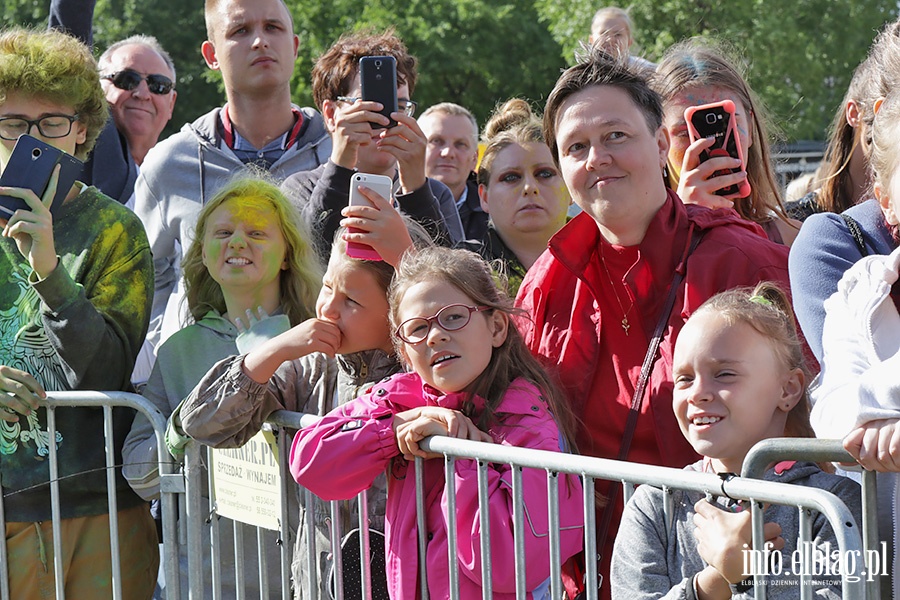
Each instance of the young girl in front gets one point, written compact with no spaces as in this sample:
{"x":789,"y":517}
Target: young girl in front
{"x":321,"y":362}
{"x":251,"y":255}
{"x":472,"y":378}
{"x":739,"y":378}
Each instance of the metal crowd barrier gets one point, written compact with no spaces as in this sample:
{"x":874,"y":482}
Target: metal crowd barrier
{"x":195,"y":515}
{"x":768,"y":451}
{"x":106,"y":401}
{"x":631,"y":474}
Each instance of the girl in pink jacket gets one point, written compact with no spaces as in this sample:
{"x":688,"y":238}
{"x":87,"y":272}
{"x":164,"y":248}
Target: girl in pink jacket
{"x":473,"y":378}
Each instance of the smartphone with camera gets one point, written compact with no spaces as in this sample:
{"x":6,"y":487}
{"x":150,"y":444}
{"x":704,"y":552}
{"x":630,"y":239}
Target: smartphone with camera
{"x":30,"y":166}
{"x":381,"y":185}
{"x":378,"y":79}
{"x":717,"y":121}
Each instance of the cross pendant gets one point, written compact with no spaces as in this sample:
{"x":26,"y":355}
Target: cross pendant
{"x":625,"y":325}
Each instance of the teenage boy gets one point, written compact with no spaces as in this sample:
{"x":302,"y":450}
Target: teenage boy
{"x":252,"y":43}
{"x":397,"y":152}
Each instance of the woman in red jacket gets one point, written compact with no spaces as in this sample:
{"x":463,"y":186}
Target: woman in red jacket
{"x":597,"y":296}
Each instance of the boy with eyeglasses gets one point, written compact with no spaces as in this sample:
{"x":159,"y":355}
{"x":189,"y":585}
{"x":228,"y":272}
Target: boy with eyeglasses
{"x":252,"y":43}
{"x":361,"y":142}
{"x":74,"y":307}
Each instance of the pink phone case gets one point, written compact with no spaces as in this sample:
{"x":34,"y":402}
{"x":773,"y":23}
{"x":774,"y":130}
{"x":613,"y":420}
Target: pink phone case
{"x":381,"y":185}
{"x":717,"y":120}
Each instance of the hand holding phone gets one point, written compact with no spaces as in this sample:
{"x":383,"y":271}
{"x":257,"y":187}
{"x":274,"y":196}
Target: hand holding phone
{"x":30,"y":167}
{"x":381,"y":185}
{"x":378,"y":80}
{"x":35,"y":174}
{"x":717,"y":122}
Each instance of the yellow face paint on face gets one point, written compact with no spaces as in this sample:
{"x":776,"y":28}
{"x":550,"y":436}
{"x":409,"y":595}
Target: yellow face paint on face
{"x":243,"y":247}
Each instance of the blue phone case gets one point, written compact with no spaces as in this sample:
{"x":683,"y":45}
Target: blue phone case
{"x":31,"y":166}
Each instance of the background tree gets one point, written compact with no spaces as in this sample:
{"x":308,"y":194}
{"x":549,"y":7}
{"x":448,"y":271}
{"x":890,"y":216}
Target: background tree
{"x":798,"y":55}
{"x":473,"y":52}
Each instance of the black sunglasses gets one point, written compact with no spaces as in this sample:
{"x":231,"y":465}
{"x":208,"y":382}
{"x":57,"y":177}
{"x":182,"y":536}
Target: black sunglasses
{"x":128,"y":79}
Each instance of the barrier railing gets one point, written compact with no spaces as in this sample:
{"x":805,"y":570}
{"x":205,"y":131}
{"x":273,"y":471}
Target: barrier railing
{"x":768,"y":451}
{"x":106,"y":401}
{"x":628,"y":474}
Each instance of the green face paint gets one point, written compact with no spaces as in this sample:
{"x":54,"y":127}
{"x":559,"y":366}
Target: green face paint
{"x":244,"y":249}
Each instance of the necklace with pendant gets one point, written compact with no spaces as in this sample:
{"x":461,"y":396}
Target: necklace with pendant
{"x":625,"y":324}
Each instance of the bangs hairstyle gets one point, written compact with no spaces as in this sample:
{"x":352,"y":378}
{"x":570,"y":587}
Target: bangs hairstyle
{"x":300,"y":282}
{"x":58,"y":69}
{"x":334,"y":71}
{"x":774,"y":321}
{"x":700,"y":63}
{"x":596,"y":67}
{"x":470,"y":274}
{"x":512,"y":123}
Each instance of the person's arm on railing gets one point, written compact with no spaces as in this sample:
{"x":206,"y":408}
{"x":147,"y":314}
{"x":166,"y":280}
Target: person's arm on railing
{"x":341,"y":455}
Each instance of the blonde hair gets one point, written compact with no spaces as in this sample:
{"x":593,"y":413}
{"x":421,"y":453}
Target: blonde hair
{"x":767,"y":309}
{"x":511,"y":123}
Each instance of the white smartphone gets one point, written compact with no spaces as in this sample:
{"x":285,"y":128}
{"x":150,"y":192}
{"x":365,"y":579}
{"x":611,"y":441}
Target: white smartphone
{"x":381,"y":185}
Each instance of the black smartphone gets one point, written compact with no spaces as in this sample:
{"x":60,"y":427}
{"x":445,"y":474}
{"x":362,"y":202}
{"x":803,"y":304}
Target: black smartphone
{"x":30,"y":166}
{"x":378,"y":79}
{"x":717,"y":121}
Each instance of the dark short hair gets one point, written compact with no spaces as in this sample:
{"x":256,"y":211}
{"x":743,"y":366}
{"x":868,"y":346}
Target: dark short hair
{"x":336,"y":68}
{"x":596,"y":67}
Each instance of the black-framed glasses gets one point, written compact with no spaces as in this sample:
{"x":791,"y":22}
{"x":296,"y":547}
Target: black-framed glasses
{"x":452,"y":317}
{"x":49,"y":126}
{"x":128,"y":79}
{"x":408,"y":107}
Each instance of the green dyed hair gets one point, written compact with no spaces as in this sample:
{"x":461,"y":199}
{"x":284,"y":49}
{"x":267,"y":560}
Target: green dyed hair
{"x":299,"y":283}
{"x":55,"y":68}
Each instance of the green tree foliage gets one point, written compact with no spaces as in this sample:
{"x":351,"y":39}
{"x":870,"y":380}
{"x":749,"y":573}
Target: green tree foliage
{"x":798,"y":55}
{"x":473,"y":52}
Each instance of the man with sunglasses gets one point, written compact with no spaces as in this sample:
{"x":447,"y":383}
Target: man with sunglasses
{"x":138,"y":77}
{"x":252,"y":44}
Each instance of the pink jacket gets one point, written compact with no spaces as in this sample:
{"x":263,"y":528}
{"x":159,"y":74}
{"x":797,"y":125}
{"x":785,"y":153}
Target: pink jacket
{"x":342,"y":454}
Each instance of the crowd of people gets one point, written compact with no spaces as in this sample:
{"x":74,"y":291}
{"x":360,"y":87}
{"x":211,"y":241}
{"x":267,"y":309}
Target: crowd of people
{"x":678,"y":314}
